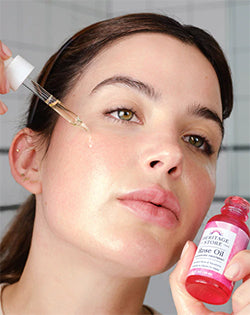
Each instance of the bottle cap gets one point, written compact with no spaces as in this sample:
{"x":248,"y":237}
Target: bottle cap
{"x":237,"y":203}
{"x":17,"y":70}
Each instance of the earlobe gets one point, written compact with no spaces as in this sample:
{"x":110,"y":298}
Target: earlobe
{"x":25,"y":160}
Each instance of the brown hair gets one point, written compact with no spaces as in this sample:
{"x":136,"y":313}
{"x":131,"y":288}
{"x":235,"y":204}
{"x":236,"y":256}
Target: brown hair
{"x":60,"y":74}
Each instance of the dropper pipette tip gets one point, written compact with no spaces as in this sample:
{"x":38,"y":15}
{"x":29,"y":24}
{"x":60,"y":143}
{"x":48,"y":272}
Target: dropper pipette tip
{"x":82,"y":125}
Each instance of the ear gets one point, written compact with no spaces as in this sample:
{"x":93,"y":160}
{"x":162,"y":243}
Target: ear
{"x":25,"y":159}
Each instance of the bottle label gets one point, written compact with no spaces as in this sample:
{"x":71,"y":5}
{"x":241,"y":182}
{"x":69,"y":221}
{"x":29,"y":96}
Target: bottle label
{"x":219,"y":243}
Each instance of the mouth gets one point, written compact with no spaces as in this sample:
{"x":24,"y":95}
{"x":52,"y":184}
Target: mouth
{"x":154,"y":205}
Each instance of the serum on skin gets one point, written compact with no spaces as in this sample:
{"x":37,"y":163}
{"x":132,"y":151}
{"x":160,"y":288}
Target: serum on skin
{"x":224,"y":235}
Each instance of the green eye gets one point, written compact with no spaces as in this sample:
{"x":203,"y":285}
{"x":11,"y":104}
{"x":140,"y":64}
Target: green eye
{"x":125,"y":114}
{"x":196,"y":141}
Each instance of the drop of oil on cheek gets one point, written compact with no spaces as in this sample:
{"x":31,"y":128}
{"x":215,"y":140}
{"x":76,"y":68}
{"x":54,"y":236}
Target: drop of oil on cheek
{"x":86,"y":128}
{"x":90,"y":141}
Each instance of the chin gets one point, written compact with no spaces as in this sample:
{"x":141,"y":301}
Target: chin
{"x":148,"y":267}
{"x":147,"y":259}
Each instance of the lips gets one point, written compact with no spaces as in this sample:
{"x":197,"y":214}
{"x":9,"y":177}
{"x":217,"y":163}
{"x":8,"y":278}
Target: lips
{"x":154,"y":205}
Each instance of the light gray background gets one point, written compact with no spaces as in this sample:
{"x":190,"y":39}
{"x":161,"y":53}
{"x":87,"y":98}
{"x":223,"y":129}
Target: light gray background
{"x":35,"y":29}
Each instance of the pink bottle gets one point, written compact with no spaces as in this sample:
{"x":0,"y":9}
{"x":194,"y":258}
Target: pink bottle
{"x":224,"y":236}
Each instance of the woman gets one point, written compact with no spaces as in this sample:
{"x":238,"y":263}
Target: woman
{"x":115,"y":205}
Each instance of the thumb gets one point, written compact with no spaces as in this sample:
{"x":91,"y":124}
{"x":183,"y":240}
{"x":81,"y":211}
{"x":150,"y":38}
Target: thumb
{"x":185,"y":304}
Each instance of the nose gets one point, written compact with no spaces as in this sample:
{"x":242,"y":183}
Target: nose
{"x":164,"y":157}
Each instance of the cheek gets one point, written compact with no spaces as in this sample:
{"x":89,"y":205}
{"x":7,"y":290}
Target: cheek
{"x":199,"y":193}
{"x":79,"y":174}
{"x":110,"y":160}
{"x":201,"y":173}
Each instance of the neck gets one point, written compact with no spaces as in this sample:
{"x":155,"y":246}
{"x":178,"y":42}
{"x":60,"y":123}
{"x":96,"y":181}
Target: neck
{"x":59,"y":280}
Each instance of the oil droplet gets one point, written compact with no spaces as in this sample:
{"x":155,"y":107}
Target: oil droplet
{"x":90,"y":142}
{"x":84,"y":126}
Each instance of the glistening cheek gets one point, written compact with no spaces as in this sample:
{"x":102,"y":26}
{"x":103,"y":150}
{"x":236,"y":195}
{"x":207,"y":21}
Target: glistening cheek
{"x":205,"y":183}
{"x":201,"y":168}
{"x":197,"y":190}
{"x":211,"y":171}
{"x":208,"y":180}
{"x":111,"y":151}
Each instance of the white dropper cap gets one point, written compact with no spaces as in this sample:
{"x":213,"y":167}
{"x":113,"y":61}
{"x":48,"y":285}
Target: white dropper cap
{"x":17,"y":70}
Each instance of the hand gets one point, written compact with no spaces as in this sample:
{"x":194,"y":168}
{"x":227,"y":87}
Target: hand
{"x":188,"y":305}
{"x":5,"y":53}
{"x":237,"y":269}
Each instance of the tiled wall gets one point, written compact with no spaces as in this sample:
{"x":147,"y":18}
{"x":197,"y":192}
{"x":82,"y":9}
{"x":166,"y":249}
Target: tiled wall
{"x":34,"y":29}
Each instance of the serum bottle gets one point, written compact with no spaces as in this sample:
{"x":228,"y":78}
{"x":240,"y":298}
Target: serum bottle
{"x":224,"y":235}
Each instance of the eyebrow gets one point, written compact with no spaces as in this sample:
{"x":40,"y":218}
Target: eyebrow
{"x":148,"y":90}
{"x":140,"y":86}
{"x":205,"y":112}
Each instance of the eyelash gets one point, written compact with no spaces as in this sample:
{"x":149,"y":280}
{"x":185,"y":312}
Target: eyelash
{"x":207,"y":150}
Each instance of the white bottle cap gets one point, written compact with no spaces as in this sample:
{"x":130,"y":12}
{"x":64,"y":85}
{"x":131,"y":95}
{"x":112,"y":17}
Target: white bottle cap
{"x":17,"y":70}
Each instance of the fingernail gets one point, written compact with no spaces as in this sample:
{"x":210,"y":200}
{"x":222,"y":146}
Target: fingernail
{"x":3,"y":108}
{"x":6,"y":50}
{"x":185,"y":248}
{"x":232,"y":271}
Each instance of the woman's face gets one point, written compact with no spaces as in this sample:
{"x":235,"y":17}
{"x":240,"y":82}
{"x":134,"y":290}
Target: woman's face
{"x":135,"y":187}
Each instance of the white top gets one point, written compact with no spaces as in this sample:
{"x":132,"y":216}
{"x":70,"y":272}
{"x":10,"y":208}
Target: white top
{"x":2,"y":285}
{"x":17,"y":70}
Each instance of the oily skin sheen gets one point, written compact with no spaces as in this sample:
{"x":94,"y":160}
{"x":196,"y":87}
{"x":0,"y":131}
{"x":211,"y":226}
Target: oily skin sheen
{"x":78,"y":207}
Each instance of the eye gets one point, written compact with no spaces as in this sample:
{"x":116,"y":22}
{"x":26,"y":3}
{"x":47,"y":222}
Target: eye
{"x":124,"y":114}
{"x":199,"y":142}
{"x":196,"y":141}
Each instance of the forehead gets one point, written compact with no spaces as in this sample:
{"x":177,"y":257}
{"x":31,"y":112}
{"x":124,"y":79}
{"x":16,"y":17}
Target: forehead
{"x":142,"y":48}
{"x":166,"y":63}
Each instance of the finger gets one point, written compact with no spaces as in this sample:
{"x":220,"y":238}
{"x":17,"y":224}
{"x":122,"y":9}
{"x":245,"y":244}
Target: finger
{"x":4,"y":84}
{"x":239,"y":266}
{"x":5,"y":52}
{"x":184,"y":302}
{"x":241,"y":298}
{"x":245,"y":311}
{"x":237,"y":269}
{"x":3,"y":108}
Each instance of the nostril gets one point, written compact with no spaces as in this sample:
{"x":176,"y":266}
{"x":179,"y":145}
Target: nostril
{"x":153,"y":163}
{"x":172,"y":170}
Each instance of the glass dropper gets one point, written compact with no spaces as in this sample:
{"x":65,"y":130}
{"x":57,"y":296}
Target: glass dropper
{"x":18,"y":70}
